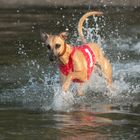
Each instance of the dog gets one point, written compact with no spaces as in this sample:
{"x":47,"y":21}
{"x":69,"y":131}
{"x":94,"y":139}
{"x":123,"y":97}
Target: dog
{"x":77,"y":63}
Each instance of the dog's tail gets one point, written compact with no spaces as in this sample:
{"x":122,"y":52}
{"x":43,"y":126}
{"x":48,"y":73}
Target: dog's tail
{"x":81,"y":21}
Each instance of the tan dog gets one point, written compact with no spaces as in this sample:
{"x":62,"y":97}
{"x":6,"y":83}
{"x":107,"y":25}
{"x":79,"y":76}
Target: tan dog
{"x":75,"y":64}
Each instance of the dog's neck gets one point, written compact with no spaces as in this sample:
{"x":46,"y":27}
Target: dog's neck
{"x":64,"y":56}
{"x":63,"y":51}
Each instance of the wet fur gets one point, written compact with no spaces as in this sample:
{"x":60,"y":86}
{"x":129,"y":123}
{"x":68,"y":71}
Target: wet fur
{"x":79,"y":62}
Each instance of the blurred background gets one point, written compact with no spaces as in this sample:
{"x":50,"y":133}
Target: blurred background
{"x":17,"y":3}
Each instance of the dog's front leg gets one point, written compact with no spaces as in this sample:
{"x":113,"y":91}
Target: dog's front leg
{"x":66,"y":84}
{"x":70,"y":77}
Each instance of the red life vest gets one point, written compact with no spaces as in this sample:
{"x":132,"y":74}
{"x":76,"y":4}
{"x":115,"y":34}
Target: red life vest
{"x":89,"y":56}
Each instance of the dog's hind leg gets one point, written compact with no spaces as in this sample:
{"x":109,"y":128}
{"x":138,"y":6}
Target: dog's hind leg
{"x":103,"y":63}
{"x":106,"y":68}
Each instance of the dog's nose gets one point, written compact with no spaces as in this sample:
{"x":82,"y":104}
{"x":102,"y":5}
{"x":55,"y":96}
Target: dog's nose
{"x":51,"y":57}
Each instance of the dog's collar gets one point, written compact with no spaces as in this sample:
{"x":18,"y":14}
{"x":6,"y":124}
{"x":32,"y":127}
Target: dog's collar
{"x":63,"y":52}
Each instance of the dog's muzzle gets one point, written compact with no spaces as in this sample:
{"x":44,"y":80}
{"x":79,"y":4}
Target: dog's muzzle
{"x":51,"y":56}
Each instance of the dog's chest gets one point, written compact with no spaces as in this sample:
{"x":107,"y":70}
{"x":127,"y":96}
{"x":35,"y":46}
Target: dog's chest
{"x":89,"y":57}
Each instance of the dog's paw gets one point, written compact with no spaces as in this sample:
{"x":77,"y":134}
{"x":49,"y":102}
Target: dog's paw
{"x":80,"y":93}
{"x":65,"y":86}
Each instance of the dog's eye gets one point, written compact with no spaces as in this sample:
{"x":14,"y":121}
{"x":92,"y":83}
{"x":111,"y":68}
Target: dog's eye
{"x":48,"y":46}
{"x":57,"y":46}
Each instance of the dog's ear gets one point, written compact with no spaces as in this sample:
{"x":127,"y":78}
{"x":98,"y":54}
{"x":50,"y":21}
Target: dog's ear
{"x":44,"y":36}
{"x":64,"y":35}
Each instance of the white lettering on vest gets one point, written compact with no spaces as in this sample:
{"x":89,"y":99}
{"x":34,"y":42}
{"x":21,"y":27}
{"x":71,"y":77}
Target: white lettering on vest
{"x":90,"y":57}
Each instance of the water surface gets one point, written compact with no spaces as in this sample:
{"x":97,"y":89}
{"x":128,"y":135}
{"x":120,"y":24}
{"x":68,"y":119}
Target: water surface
{"x":31,"y":106}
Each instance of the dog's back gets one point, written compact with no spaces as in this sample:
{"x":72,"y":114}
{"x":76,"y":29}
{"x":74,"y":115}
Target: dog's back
{"x":101,"y":60}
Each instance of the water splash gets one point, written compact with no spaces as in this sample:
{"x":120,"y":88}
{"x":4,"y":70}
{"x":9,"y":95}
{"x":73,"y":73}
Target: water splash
{"x":45,"y":93}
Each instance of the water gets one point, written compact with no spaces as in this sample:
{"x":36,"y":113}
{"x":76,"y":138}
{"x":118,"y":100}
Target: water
{"x":32,"y":104}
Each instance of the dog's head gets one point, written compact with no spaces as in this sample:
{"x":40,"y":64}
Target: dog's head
{"x":55,"y":43}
